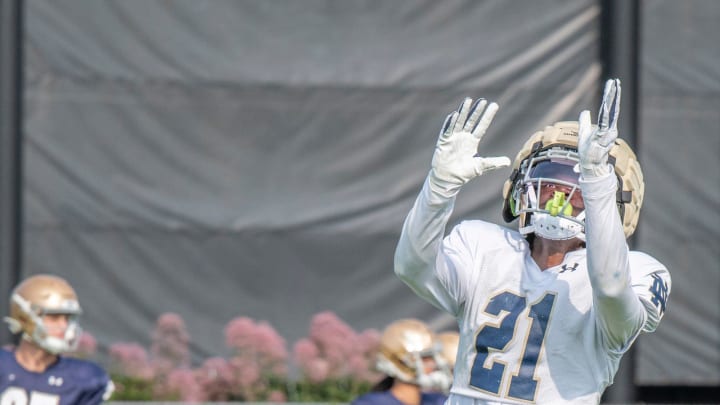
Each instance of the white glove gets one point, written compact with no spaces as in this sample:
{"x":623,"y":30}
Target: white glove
{"x":594,"y":142}
{"x":455,"y":161}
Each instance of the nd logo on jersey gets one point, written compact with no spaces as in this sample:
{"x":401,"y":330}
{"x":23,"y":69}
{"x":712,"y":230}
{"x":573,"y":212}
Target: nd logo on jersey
{"x":18,"y":396}
{"x":659,"y":289}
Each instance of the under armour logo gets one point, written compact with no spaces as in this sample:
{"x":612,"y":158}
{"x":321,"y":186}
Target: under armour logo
{"x":566,"y":268}
{"x":56,"y":381}
{"x":659,"y":289}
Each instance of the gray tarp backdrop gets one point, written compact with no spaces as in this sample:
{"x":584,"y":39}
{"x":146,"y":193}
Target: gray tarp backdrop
{"x":257,"y":158}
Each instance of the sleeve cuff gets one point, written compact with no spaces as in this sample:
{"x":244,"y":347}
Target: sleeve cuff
{"x":596,"y":187}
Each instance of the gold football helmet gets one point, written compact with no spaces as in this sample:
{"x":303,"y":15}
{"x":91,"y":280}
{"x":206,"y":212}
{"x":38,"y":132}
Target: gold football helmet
{"x":403,"y":346}
{"x":449,"y":342}
{"x":42,"y":295}
{"x":550,"y":156}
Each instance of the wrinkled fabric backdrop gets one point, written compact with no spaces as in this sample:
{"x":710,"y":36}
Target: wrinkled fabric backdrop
{"x":257,"y":158}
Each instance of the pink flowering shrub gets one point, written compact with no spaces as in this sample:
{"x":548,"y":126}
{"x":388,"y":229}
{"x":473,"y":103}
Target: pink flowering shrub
{"x":334,"y":350}
{"x":257,"y":342}
{"x":216,"y":378}
{"x":259,"y":358}
{"x":87,"y":346}
{"x":276,"y":396}
{"x":181,"y":384}
{"x":335,"y":363}
{"x":170,"y":342}
{"x":362,"y":362}
{"x":130,"y":359}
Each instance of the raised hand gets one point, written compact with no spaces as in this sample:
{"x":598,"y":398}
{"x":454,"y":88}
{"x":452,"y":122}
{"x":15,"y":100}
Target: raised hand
{"x":595,"y":142}
{"x":456,"y":161}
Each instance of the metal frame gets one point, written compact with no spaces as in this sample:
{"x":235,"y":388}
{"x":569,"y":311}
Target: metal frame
{"x":620,"y":57}
{"x":11,"y":152}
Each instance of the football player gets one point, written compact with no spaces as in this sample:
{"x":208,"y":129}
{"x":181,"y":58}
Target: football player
{"x":449,"y":342}
{"x":45,"y":309}
{"x":408,"y":356}
{"x":545,"y":312}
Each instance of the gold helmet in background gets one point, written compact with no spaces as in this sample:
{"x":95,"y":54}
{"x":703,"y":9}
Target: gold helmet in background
{"x":449,"y":342}
{"x":404,"y":345}
{"x":41,"y":295}
{"x":555,"y":150}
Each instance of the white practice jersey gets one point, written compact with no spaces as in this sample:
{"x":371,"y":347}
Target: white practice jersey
{"x":526,"y":335}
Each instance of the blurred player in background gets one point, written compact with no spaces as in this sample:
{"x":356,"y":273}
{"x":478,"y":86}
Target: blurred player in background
{"x":545,"y":312}
{"x":45,"y":309}
{"x":409,"y":358}
{"x":449,"y":342}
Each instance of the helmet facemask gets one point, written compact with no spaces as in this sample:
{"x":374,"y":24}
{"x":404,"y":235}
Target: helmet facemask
{"x":551,"y":175}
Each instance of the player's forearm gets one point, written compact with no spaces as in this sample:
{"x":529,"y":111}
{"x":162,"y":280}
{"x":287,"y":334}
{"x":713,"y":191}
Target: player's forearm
{"x":607,"y":251}
{"x":619,"y":310}
{"x":421,"y":236}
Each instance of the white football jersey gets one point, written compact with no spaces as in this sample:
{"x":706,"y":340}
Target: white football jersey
{"x":526,"y":335}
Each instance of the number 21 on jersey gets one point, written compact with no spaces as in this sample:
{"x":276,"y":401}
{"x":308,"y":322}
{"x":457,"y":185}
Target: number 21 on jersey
{"x":490,"y":378}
